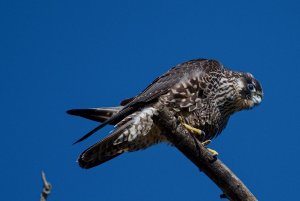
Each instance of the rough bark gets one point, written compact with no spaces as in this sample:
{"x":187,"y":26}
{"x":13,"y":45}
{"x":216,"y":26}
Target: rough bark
{"x":232,"y":187}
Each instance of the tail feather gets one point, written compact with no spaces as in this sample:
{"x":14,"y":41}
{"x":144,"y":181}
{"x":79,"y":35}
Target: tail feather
{"x":133,"y":133}
{"x":114,"y":119}
{"x":96,"y":114}
{"x":105,"y":149}
{"x":99,"y":153}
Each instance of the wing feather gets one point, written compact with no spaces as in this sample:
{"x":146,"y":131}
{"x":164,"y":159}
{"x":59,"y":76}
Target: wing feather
{"x":159,"y":86}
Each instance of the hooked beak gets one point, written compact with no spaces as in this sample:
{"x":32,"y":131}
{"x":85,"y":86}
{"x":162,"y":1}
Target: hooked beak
{"x":257,"y":98}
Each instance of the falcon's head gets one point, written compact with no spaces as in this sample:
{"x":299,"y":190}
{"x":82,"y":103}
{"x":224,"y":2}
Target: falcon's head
{"x":249,"y":90}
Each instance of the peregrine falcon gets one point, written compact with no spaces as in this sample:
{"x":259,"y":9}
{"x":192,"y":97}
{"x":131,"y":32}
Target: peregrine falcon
{"x":201,"y":93}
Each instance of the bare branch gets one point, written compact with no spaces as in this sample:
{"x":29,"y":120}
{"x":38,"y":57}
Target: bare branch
{"x":232,"y":187}
{"x":46,"y":188}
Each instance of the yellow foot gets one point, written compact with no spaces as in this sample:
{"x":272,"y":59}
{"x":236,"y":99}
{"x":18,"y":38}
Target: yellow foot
{"x":206,"y":142}
{"x":191,"y":128}
{"x":198,"y":132}
{"x":213,"y":152}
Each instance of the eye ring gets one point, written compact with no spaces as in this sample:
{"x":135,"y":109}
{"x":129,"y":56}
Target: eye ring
{"x":251,"y":87}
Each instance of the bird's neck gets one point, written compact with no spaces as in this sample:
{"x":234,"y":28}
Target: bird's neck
{"x":227,"y":98}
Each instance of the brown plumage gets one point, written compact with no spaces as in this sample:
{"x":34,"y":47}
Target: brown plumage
{"x":201,"y":91}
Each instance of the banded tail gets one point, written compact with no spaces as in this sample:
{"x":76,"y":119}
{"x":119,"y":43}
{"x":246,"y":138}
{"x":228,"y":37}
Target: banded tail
{"x":136,"y":131}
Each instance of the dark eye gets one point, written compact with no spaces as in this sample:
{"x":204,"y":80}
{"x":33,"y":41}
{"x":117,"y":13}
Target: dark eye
{"x":251,"y":87}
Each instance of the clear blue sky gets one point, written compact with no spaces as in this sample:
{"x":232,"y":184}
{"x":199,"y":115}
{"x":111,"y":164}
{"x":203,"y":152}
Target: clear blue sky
{"x":58,"y":55}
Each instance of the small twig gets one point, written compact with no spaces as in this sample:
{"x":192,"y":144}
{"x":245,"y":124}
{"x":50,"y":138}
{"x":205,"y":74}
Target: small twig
{"x":232,"y":187}
{"x":46,"y":188}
